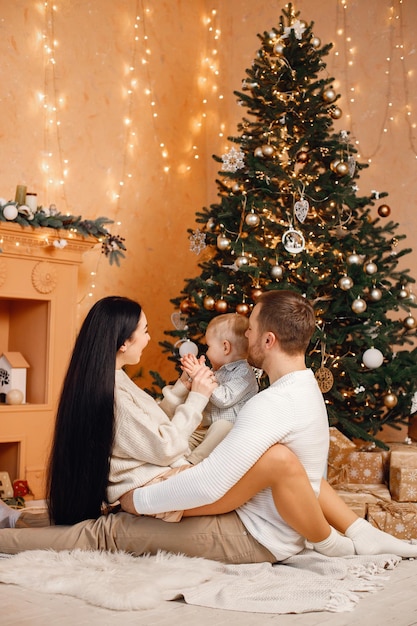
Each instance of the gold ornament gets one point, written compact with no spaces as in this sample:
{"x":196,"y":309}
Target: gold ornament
{"x":336,"y":113}
{"x":187,"y":305}
{"x":403,"y":293}
{"x":329,"y":95}
{"x":208,"y":303}
{"x":302,"y":157}
{"x":324,"y":379}
{"x":390,"y":400}
{"x":241,"y":261}
{"x":268,"y":150}
{"x":334,"y":164}
{"x":221,"y":306}
{"x":316,"y":42}
{"x":384,"y":210}
{"x":242,"y":308}
{"x":409,"y":322}
{"x":258,"y":152}
{"x":342,"y":168}
{"x":256,"y":292}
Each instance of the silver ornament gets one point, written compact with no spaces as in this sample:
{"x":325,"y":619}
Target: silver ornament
{"x":252,"y":219}
{"x":345,"y":283}
{"x":223,"y":243}
{"x":241,"y":261}
{"x":353,"y":259}
{"x":375,"y":294}
{"x":277,"y":271}
{"x":359,"y":305}
{"x":371,"y":268}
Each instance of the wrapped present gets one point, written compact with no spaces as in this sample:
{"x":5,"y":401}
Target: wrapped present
{"x":396,"y":518}
{"x":403,"y":473}
{"x":369,"y":494}
{"x":365,"y":467}
{"x":339,"y":449}
{"x":360,"y":508}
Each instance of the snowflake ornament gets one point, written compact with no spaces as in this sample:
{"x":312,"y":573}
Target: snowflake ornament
{"x":298,"y":28}
{"x":233,"y":160}
{"x":197,"y":241}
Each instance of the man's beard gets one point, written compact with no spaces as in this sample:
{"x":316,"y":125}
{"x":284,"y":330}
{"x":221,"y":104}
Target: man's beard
{"x":255,"y":357}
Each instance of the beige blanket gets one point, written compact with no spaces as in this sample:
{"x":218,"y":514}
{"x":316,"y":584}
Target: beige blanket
{"x":119,"y":581}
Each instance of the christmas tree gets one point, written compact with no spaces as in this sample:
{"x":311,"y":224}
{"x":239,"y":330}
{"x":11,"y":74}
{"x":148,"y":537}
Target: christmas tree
{"x":288,"y":217}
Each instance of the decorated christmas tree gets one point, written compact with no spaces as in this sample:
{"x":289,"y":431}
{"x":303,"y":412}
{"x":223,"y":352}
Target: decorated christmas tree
{"x":288,"y":217}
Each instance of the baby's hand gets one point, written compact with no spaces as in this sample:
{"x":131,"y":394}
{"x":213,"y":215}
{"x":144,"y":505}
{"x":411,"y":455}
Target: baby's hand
{"x":190,"y":364}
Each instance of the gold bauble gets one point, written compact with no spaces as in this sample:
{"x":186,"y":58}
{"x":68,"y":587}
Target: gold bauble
{"x":329,"y":95}
{"x":403,"y":293}
{"x":221,"y":306}
{"x":242,"y":308}
{"x":302,"y":157}
{"x":241,"y":261}
{"x":208,"y":303}
{"x":390,"y":400}
{"x":256,"y":292}
{"x":187,"y":305}
{"x":409,"y":322}
{"x":267,"y":149}
{"x":258,"y":152}
{"x":371,"y":268}
{"x":334,"y":164}
{"x":336,"y":113}
{"x":316,"y":42}
{"x":384,"y":210}
{"x":342,"y":168}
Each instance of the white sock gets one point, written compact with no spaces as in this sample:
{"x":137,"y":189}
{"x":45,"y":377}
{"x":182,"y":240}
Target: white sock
{"x":370,"y":540}
{"x":8,"y":516}
{"x":335,"y":545}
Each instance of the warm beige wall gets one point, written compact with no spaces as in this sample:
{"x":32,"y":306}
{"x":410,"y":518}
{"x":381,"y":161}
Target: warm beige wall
{"x":95,"y":47}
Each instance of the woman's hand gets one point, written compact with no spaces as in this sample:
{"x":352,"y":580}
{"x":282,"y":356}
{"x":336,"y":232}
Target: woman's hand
{"x":204,"y":381}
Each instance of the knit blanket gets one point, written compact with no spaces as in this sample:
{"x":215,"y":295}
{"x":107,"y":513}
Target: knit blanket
{"x":118,"y":581}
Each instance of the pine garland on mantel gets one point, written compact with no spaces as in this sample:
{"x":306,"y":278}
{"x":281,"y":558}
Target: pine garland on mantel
{"x":112,"y":246}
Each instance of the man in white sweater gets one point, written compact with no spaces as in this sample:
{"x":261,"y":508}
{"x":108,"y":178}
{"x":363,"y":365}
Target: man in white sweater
{"x":275,"y":496}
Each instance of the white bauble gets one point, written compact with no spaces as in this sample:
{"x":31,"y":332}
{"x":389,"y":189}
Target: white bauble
{"x":372,"y":358}
{"x":188,"y":347}
{"x":10,"y":211}
{"x":14,"y":396}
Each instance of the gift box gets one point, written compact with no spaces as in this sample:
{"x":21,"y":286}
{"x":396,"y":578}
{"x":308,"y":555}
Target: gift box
{"x":396,"y":518}
{"x":403,"y":484}
{"x":365,"y":467}
{"x":339,"y":449}
{"x":363,"y":493}
{"x":360,"y":508}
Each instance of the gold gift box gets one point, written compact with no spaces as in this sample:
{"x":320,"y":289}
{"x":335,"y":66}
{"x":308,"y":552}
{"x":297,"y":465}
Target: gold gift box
{"x":396,"y":518}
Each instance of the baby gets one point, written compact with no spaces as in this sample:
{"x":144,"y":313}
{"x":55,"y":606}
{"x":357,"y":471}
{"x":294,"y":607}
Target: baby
{"x":227,"y":350}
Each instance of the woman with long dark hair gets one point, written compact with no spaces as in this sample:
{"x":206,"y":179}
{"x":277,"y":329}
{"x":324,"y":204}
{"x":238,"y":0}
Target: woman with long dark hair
{"x":110,"y":435}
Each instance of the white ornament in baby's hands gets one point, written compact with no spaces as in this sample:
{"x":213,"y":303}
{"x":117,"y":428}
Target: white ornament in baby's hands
{"x":188,"y":347}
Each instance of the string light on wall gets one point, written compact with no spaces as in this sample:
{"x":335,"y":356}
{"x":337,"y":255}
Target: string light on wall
{"x":54,"y":166}
{"x":389,"y":108}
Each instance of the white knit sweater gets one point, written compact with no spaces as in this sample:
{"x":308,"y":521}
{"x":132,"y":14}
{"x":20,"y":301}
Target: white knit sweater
{"x":291,"y":411}
{"x":149,"y":437}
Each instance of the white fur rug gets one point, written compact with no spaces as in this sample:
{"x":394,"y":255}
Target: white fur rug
{"x":119,"y":581}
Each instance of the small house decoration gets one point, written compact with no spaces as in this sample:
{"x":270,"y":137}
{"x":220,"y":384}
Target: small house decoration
{"x":13,"y":367}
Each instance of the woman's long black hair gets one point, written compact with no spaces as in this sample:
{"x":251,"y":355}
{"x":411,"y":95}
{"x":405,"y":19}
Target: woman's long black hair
{"x":80,"y":457}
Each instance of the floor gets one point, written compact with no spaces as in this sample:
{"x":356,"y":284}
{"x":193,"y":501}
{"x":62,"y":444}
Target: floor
{"x":395,"y":605}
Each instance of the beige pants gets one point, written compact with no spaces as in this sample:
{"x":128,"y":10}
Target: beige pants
{"x":216,"y":537}
{"x":204,"y":440}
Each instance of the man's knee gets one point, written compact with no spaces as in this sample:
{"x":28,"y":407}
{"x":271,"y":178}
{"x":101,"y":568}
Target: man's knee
{"x":284,"y":461}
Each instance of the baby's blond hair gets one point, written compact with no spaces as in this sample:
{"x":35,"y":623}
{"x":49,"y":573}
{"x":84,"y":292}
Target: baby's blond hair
{"x":232,"y":327}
